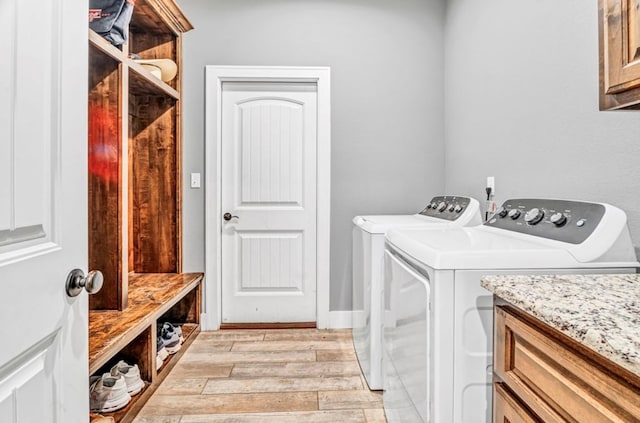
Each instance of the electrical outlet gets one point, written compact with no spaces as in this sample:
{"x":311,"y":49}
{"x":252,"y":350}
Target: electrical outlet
{"x":195,"y":180}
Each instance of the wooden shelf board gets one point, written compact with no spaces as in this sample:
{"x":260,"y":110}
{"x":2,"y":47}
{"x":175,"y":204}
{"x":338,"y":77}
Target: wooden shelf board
{"x":105,"y":46}
{"x":150,"y":296}
{"x":141,"y":81}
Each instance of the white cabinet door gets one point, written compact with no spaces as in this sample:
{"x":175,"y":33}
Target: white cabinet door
{"x":43,"y":210}
{"x":269,"y":150}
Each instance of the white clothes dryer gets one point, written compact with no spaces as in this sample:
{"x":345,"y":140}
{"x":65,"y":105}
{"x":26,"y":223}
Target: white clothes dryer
{"x":368,"y":270}
{"x":438,"y":339}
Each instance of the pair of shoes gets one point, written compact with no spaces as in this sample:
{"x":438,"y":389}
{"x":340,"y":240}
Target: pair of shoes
{"x":170,"y":337}
{"x":108,"y":392}
{"x":112,"y":391}
{"x":176,"y":328}
{"x":161,"y":354}
{"x":98,"y":418}
{"x":131,"y":374}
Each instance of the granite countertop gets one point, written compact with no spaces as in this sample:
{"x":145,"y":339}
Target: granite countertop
{"x":602,"y":312}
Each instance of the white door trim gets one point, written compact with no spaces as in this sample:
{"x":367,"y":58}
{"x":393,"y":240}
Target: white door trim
{"x":214,"y":77}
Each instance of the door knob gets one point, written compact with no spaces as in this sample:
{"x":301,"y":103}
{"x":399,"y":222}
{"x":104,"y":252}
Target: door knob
{"x":77,"y":280}
{"x":228,"y":216}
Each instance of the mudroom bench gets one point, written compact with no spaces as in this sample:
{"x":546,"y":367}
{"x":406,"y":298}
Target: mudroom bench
{"x":130,"y":334}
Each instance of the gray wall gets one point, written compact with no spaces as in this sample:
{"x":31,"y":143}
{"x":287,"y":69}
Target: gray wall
{"x":387,"y":93}
{"x":522,"y":104}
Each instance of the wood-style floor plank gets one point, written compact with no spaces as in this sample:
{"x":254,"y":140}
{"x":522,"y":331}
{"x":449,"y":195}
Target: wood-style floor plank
{"x":336,"y":355}
{"x":281,"y":384}
{"x":199,"y":346}
{"x":340,"y":400}
{"x":180,"y":386}
{"x":311,"y":369}
{"x":158,"y":419}
{"x":307,"y":334}
{"x":250,"y":357}
{"x":232,"y":335}
{"x":171,"y":405}
{"x":200,"y":369}
{"x":298,"y":345}
{"x":266,"y":376}
{"x":341,"y":416}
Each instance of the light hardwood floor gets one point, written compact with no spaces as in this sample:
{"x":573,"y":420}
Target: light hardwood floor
{"x":266,"y":376}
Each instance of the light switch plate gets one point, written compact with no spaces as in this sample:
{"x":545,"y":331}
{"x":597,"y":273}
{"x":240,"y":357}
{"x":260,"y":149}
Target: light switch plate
{"x":195,"y":180}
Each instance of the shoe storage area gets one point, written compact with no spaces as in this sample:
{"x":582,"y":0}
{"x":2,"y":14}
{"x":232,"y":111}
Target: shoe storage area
{"x":147,"y":312}
{"x":134,"y":335}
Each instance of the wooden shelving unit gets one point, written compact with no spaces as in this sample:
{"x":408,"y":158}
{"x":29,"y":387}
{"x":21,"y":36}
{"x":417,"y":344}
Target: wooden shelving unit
{"x":135,"y":199}
{"x":135,"y":153}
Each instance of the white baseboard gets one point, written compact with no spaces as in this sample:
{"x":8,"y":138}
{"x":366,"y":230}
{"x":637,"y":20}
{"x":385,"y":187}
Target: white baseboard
{"x":206,"y":322}
{"x":341,"y":319}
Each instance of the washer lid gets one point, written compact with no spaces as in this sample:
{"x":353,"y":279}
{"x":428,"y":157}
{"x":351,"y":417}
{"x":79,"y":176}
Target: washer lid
{"x":380,"y":224}
{"x":441,"y":211}
{"x":486,"y":248}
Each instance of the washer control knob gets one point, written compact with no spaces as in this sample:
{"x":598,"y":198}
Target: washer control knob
{"x":580,"y":223}
{"x":452,"y":208}
{"x":502,"y":212}
{"x":434,"y":205}
{"x":458,"y":208}
{"x":514,"y":213}
{"x":442,"y":206}
{"x":558,"y":219}
{"x":534,"y":216}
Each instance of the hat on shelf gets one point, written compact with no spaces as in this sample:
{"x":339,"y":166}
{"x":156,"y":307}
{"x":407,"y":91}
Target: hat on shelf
{"x":164,"y":69}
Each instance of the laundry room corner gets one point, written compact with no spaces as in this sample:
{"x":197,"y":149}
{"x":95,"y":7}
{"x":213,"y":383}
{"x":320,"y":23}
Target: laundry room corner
{"x":374,"y":140}
{"x":522,"y":105}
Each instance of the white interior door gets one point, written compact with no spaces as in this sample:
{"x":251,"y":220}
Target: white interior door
{"x":43,"y":207}
{"x":269,"y":149}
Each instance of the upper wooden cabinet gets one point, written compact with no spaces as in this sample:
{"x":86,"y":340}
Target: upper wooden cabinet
{"x":619,"y":41}
{"x":135,"y":144}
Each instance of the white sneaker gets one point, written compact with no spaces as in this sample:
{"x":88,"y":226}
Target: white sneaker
{"x":108,"y":393}
{"x":131,"y":374}
{"x":159,"y":363}
{"x":178,"y":330}
{"x":161,"y":353}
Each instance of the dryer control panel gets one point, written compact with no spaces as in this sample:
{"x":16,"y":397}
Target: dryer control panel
{"x":446,"y":207}
{"x":561,"y":220}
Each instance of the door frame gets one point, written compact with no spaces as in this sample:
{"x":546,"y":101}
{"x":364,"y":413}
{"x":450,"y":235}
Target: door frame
{"x":215,"y":76}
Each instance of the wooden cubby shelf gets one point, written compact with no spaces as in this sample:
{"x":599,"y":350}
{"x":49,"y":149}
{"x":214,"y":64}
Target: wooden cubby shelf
{"x":130,"y":334}
{"x":105,"y":46}
{"x":142,"y":82}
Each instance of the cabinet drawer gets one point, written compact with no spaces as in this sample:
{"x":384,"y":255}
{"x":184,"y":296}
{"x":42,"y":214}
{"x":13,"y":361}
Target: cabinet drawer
{"x":507,"y":408}
{"x":557,"y":382}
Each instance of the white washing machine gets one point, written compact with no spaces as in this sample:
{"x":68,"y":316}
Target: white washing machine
{"x":439,"y":336}
{"x":368,"y":270}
